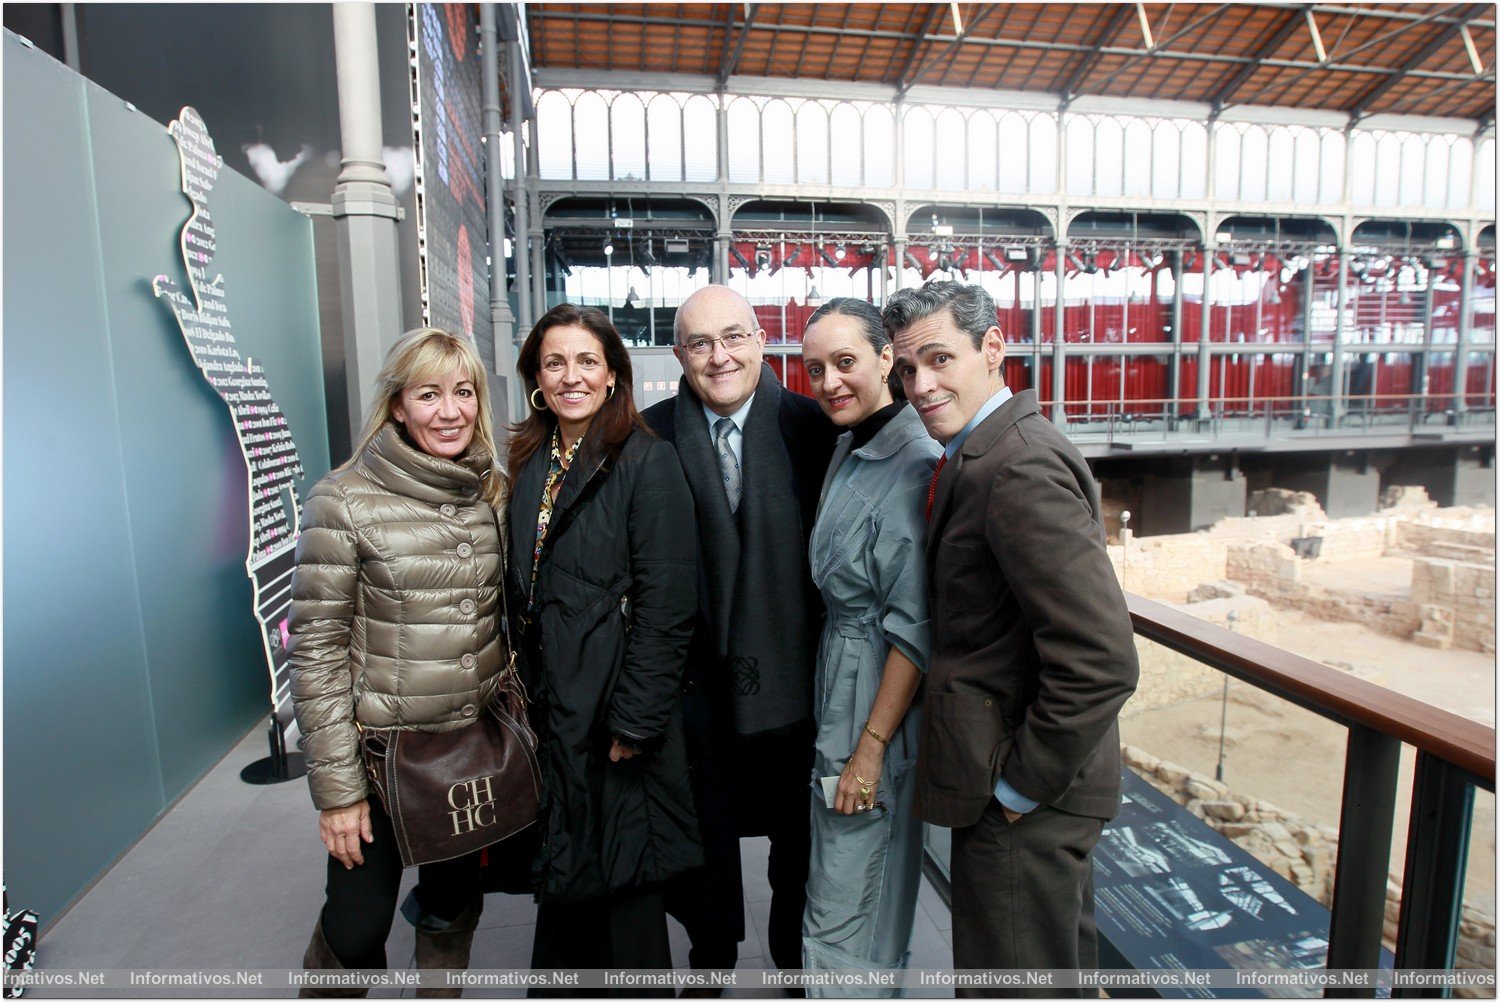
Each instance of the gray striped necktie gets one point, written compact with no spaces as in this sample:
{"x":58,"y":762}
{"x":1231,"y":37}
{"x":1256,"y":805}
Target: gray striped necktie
{"x":728,"y":465}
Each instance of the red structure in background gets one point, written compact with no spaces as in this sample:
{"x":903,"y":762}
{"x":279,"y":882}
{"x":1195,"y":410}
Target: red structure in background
{"x":1258,"y":300}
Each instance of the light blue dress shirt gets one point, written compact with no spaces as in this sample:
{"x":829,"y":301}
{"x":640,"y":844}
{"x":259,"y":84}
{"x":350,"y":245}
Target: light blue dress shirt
{"x":737,"y":435}
{"x":1004,"y":792}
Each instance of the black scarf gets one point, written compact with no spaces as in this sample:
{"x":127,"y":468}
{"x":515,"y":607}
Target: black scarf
{"x":756,"y":565}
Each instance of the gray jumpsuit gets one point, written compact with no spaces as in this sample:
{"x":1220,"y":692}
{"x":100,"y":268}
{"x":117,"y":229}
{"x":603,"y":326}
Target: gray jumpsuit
{"x":866,"y":558}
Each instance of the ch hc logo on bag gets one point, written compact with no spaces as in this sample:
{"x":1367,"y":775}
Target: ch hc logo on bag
{"x":469,"y":801}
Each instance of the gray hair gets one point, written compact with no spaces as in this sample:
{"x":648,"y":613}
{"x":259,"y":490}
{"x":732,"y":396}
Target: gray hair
{"x":972,"y":309}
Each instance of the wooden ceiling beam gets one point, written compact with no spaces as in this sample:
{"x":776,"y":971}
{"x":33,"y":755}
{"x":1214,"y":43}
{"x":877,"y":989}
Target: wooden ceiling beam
{"x":1296,"y":18}
{"x":732,"y":59}
{"x":1283,"y":84}
{"x":1447,"y":33}
{"x":1122,"y":12}
{"x":918,"y":42}
{"x":982,"y":15}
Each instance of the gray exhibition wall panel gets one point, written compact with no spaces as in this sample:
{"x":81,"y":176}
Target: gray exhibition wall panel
{"x":132,"y":659}
{"x":77,"y":700}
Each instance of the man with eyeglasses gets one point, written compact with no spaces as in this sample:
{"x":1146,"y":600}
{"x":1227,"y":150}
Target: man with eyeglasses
{"x":754,"y":455}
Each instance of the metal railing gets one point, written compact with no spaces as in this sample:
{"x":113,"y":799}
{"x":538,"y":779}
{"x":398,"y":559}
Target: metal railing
{"x":1454,"y":757}
{"x":1280,"y":416}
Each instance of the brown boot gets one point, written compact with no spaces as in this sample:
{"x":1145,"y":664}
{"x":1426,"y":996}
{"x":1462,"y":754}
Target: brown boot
{"x":441,"y":945}
{"x":320,"y":956}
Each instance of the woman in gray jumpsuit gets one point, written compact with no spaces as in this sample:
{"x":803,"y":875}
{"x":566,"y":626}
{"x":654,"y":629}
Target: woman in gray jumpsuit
{"x":866,"y":558}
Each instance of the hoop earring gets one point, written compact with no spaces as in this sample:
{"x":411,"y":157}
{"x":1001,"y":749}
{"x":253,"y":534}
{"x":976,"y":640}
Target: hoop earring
{"x":610,"y":394}
{"x":535,"y":406}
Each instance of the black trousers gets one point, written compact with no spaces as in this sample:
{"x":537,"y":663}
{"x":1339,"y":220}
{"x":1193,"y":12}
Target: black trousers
{"x":625,"y":930}
{"x":361,"y":903}
{"x":1023,"y":895}
{"x":748,"y":786}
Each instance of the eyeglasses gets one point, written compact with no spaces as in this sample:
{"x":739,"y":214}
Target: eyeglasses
{"x":699,"y":345}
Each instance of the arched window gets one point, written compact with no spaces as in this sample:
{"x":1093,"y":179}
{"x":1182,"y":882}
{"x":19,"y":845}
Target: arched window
{"x":700,"y":120}
{"x":1303,"y":158}
{"x":1253,"y":164}
{"x":1279,"y":164}
{"x":1460,"y":173}
{"x":1137,"y":164}
{"x":744,"y":140}
{"x":948,"y":149}
{"x":627,"y":127}
{"x":591,"y":137}
{"x":1194,"y":161}
{"x":554,"y":132}
{"x":1042,"y":155}
{"x":1109,"y":157}
{"x":846,"y":145}
{"x":919,"y":152}
{"x":1362,"y":149}
{"x":812,"y":143}
{"x":1435,"y":174}
{"x":664,"y":138}
{"x":1166,"y":160}
{"x":1226,"y":162}
{"x":777,"y":138}
{"x":1387,"y":169}
{"x":1331,"y":172}
{"x":1413,"y":162}
{"x":880,"y":147}
{"x":1079,"y":169}
{"x":1484,"y":176}
{"x":982,"y":158}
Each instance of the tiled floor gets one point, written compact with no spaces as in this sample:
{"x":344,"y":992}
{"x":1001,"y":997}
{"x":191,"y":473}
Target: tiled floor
{"x":232,"y":878}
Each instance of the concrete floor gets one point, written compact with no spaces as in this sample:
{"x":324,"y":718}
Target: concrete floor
{"x":232,"y":878}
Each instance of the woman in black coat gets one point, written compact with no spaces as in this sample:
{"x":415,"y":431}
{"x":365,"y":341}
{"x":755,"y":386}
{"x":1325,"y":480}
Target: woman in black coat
{"x":603,"y":573}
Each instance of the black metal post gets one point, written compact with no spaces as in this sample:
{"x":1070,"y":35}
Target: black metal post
{"x":1371,"y":761}
{"x":1432,"y":888}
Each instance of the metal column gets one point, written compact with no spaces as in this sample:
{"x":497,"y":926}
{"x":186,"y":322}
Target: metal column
{"x":724,"y":238}
{"x":1336,"y":390}
{"x":1302,"y":386}
{"x":508,"y":407}
{"x":538,"y":236}
{"x":1205,"y":409}
{"x":525,"y":311}
{"x":1421,"y":370}
{"x":1036,"y":321}
{"x":538,"y":270}
{"x":1465,"y":335}
{"x":364,"y":211}
{"x":1174,"y":376}
{"x":1059,"y":344}
{"x":719,"y":274}
{"x":1366,"y":821}
{"x":1432,"y":885}
{"x":69,"y":17}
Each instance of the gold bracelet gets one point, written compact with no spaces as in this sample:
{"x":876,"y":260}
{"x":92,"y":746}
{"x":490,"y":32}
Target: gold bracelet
{"x":876,"y":735}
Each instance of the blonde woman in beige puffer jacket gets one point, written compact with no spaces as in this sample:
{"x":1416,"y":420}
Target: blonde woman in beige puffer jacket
{"x":395,"y":622}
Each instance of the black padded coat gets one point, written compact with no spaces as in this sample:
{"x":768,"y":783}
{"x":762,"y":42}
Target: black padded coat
{"x":602,"y":654}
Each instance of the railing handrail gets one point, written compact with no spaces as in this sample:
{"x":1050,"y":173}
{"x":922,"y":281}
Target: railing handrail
{"x":1320,"y":688}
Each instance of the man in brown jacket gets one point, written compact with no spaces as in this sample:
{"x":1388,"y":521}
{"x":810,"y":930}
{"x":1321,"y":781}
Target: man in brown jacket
{"x":1033,"y":654}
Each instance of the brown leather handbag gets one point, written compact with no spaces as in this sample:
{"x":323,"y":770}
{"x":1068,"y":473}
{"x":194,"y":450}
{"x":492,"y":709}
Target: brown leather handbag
{"x":450,"y":793}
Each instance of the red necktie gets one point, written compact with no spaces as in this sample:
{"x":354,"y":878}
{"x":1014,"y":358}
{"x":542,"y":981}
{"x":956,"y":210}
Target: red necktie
{"x":932,"y":488}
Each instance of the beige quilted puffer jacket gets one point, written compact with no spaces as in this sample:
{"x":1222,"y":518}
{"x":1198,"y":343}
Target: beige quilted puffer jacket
{"x":395,"y":618}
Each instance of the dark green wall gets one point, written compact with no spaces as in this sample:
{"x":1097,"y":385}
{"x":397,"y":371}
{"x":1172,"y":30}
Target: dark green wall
{"x":132,"y":660}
